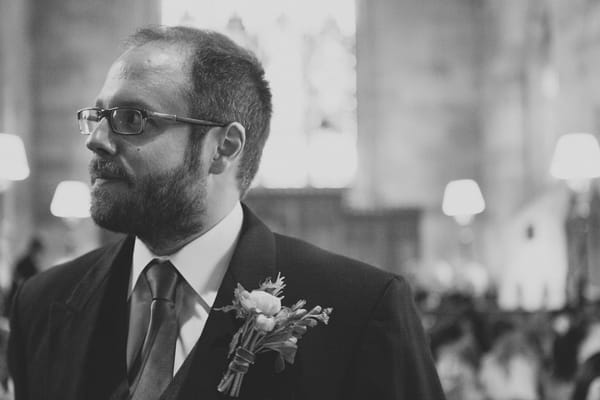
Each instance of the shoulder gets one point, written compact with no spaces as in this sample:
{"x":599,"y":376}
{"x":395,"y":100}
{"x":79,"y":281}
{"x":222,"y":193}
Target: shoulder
{"x":296,"y":253}
{"x":58,"y":282}
{"x":373,"y":330}
{"x":329,"y":279}
{"x":36,"y":298}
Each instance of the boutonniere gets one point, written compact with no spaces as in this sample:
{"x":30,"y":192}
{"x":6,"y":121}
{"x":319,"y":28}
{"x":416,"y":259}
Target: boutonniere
{"x":267,"y":326}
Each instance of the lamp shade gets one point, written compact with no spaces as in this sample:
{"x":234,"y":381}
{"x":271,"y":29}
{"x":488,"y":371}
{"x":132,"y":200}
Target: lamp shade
{"x":71,"y":200}
{"x":462,"y":197}
{"x":13,"y":160}
{"x":576,"y":157}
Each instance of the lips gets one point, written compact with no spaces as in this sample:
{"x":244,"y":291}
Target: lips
{"x":106,"y":177}
{"x":106,"y":170}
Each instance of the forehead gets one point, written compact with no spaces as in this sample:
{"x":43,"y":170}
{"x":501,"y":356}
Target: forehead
{"x":152,"y":75}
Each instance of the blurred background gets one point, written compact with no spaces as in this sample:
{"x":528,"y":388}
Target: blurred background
{"x":451,"y":141}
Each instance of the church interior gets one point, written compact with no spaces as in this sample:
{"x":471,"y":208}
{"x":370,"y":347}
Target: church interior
{"x":453,"y":142}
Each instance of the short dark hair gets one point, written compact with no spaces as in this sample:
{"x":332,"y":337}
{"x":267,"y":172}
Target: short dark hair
{"x":228,"y":84}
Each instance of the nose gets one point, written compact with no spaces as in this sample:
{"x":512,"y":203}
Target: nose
{"x":101,"y":140}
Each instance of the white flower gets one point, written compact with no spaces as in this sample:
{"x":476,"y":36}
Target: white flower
{"x":264,"y":323}
{"x":260,"y":301}
{"x":292,"y":341}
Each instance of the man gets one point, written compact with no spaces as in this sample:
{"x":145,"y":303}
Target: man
{"x":26,"y":267}
{"x":176,"y":136}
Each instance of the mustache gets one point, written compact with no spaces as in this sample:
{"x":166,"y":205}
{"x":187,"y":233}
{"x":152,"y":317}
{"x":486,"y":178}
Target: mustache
{"x":101,"y":168}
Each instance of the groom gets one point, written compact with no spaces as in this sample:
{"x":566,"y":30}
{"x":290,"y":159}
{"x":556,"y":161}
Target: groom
{"x":176,"y":134}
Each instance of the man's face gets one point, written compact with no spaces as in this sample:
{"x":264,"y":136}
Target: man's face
{"x":145,"y":184}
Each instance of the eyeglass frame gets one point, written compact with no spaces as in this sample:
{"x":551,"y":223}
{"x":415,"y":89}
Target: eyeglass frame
{"x":146,"y":114}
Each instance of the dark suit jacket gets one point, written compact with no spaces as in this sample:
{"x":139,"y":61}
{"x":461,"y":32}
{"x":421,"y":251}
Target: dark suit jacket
{"x":69,"y":329}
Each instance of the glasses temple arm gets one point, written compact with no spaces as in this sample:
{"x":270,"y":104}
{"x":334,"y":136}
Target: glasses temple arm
{"x":173,"y":117}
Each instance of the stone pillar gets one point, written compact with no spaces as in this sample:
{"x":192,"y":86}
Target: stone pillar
{"x":15,"y":118}
{"x":418,"y":85}
{"x":58,"y":55}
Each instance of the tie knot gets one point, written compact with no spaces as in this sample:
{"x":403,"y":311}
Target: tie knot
{"x":162,"y":278}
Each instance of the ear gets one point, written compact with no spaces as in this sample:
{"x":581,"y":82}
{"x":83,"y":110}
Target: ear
{"x":230,"y":143}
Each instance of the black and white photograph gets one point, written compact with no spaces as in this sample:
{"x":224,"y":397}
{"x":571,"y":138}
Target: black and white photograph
{"x":300,"y":200}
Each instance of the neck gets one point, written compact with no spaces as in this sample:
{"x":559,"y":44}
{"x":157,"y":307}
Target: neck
{"x":169,"y":241}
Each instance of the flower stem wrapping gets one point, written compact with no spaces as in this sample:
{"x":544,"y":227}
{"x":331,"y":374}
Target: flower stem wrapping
{"x":267,"y":326}
{"x":232,"y":380}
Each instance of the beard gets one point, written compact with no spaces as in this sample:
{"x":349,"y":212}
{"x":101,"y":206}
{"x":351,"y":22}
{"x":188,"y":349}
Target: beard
{"x":170,"y":204}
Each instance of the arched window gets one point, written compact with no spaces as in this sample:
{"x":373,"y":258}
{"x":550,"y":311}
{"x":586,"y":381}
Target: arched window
{"x":308,"y":51}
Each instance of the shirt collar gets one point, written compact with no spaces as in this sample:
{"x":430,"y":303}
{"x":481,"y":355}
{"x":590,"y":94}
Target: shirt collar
{"x":202,"y":262}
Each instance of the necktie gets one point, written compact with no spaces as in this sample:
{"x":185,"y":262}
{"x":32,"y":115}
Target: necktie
{"x":158,"y":351}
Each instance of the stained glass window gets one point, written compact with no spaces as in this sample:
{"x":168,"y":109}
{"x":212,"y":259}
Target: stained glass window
{"x":308,"y":51}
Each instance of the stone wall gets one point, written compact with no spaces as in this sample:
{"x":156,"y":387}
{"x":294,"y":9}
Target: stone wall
{"x":16,"y":220}
{"x":55,"y":55}
{"x":539,"y":83}
{"x":480,"y":89}
{"x":419,"y":94}
{"x":447,"y":89}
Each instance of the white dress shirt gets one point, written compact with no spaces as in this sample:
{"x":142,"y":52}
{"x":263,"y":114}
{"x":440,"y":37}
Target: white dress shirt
{"x":202,"y":263}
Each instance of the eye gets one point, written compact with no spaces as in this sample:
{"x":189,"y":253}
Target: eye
{"x":127,"y":120}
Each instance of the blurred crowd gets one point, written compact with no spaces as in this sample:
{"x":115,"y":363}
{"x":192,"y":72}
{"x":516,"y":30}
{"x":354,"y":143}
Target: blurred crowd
{"x":484,"y":353}
{"x":481,"y":352}
{"x":26,"y":266}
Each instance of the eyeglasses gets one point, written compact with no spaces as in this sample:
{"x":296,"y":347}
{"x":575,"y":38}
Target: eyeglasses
{"x":128,"y":120}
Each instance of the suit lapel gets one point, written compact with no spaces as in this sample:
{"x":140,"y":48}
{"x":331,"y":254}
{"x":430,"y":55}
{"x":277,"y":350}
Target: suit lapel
{"x":252,"y":262}
{"x":73,"y":322}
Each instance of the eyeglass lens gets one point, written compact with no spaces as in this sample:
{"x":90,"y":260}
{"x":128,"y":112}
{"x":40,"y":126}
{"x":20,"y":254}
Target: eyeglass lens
{"x":88,"y":120}
{"x":126,"y":120}
{"x":122,"y":120}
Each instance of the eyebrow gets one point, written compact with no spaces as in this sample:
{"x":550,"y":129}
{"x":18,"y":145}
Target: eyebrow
{"x":134,"y":103}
